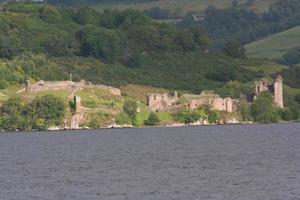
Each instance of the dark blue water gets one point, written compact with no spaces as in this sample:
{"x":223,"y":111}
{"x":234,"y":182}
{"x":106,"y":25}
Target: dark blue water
{"x":196,"y":163}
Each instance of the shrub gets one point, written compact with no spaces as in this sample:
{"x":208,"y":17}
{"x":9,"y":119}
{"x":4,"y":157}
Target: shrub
{"x":122,"y":119}
{"x":9,"y":47}
{"x":152,"y":120}
{"x":263,"y":109}
{"x":98,"y":120}
{"x":130,"y":108}
{"x":49,"y":108}
{"x":189,"y":116}
{"x":286,"y":114}
{"x":50,"y":14}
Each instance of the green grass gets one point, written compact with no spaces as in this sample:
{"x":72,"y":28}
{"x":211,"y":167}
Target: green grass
{"x":267,"y":68}
{"x":276,"y":45}
{"x":185,"y":6}
{"x":165,"y":117}
{"x":63,"y":94}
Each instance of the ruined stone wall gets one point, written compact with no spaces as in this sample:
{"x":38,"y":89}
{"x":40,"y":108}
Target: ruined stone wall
{"x":262,"y":86}
{"x":160,"y":102}
{"x":68,"y":85}
{"x":218,"y":103}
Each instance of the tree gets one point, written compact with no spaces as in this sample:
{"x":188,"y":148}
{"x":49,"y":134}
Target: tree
{"x":235,"y":49}
{"x":244,"y":110}
{"x":186,"y":40}
{"x":15,"y":115}
{"x":130,"y":108}
{"x":50,"y":14}
{"x":291,"y":58}
{"x":263,"y":109}
{"x":86,"y":15}
{"x":102,"y":43}
{"x":152,"y":120}
{"x":49,"y":108}
{"x":286,"y":114}
{"x":9,"y":47}
{"x":57,"y":46}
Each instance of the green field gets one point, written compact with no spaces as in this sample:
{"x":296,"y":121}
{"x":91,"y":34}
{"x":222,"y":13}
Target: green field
{"x":186,"y":6}
{"x":276,"y":45}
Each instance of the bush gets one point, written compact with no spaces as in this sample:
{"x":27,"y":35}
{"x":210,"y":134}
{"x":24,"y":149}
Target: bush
{"x":152,"y":120}
{"x":234,"y":49}
{"x":9,"y":47}
{"x":286,"y":114}
{"x":263,"y":109}
{"x":15,"y":115}
{"x":189,"y":116}
{"x":122,"y":119}
{"x":49,"y":108}
{"x":50,"y":14}
{"x":99,"y":120}
{"x":130,"y":108}
{"x":86,"y":15}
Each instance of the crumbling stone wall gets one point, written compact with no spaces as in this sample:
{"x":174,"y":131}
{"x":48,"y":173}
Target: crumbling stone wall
{"x":215,"y":101}
{"x":68,"y":85}
{"x":160,"y":102}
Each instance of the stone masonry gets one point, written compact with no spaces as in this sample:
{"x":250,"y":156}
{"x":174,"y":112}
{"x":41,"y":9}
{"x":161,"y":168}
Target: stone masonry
{"x":276,"y":88}
{"x":160,"y":102}
{"x":213,"y":100}
{"x":68,"y":85}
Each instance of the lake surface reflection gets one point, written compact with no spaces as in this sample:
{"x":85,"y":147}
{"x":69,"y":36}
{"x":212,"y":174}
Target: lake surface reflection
{"x":193,"y":163}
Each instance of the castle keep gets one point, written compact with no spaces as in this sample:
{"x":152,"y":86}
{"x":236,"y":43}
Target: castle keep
{"x":275,"y":88}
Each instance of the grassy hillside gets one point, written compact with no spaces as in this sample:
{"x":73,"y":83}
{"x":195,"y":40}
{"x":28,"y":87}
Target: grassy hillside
{"x":183,"y":6}
{"x":276,"y":45}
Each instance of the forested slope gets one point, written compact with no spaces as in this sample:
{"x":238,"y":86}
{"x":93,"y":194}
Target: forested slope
{"x":40,"y":41}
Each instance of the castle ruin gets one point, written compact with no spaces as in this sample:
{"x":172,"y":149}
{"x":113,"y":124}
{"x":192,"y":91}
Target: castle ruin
{"x":213,"y":100}
{"x":276,"y":89}
{"x":161,"y":102}
{"x":69,"y":85}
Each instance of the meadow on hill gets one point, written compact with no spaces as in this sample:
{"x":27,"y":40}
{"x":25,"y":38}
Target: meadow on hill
{"x":275,"y":46}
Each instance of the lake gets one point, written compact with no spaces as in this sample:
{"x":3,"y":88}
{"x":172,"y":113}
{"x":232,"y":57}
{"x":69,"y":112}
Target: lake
{"x":251,"y":162}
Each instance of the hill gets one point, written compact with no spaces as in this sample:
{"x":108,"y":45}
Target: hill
{"x":183,"y":6}
{"x":115,"y":48}
{"x":276,"y":45}
{"x":125,"y":49}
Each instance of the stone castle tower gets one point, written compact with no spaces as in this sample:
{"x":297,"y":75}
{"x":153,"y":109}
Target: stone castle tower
{"x":276,"y":88}
{"x":278,"y":91}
